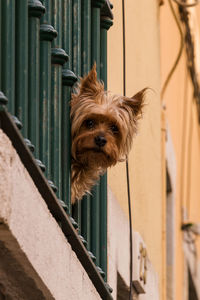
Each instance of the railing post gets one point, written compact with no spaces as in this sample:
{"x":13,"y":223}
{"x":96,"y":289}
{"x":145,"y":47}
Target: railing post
{"x":106,"y":22}
{"x":36,"y":10}
{"x":21,"y":70}
{"x":86,"y":66}
{"x":67,"y":37}
{"x":95,"y":202}
{"x":77,"y":70}
{"x":47,"y":34}
{"x":86,"y":37}
{"x":77,"y":37}
{"x":59,"y":57}
{"x":8,"y":52}
{"x":68,"y":79}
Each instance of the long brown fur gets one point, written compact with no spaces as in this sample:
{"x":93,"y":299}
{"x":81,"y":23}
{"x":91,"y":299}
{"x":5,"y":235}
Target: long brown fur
{"x":91,"y":103}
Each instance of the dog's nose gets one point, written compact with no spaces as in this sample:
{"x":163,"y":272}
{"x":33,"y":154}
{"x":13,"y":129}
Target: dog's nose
{"x":100,"y":140}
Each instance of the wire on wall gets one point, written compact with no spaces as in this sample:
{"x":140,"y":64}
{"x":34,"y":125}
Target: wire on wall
{"x":179,"y":52}
{"x":127,"y":166}
{"x":179,"y":2}
{"x":190,"y":52}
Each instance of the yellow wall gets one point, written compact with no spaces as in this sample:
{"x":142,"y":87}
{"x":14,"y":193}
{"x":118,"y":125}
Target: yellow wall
{"x":153,"y":41}
{"x":145,"y":159}
{"x":181,"y":113}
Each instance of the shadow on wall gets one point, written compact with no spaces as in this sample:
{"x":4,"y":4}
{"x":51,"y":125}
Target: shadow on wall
{"x":191,"y":287}
{"x":123,"y":289}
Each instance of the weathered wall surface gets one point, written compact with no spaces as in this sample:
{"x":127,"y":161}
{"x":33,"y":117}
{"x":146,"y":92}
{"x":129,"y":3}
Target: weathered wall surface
{"x":118,"y":257}
{"x":145,"y":160}
{"x":182,"y":118}
{"x":38,"y":262}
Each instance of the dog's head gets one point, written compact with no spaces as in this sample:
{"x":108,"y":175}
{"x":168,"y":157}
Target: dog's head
{"x":103,"y":125}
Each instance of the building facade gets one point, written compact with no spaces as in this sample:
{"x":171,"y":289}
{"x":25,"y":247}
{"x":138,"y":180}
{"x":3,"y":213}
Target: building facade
{"x":50,"y":249}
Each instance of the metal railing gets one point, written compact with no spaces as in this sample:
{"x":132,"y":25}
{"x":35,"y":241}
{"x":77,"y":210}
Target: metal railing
{"x":45,"y":46}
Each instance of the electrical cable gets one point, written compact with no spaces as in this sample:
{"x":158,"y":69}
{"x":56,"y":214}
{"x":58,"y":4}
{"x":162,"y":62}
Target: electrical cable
{"x":179,"y":2}
{"x":127,"y":166}
{"x":179,"y":52}
{"x":130,"y":228}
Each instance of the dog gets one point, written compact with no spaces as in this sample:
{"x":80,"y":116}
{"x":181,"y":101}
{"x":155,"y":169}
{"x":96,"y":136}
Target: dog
{"x":102,"y":129}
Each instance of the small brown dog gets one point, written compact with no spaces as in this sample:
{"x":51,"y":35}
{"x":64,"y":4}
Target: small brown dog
{"x":102,"y":129}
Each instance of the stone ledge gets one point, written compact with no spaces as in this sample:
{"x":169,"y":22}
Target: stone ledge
{"x":32,"y":239}
{"x":19,"y":280}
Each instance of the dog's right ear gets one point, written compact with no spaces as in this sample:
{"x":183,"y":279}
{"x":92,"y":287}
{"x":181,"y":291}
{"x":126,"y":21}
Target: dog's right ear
{"x":90,"y":85}
{"x":135,"y":104}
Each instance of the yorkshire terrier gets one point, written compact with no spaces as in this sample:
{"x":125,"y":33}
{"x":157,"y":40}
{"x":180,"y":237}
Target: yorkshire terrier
{"x":102,"y":130}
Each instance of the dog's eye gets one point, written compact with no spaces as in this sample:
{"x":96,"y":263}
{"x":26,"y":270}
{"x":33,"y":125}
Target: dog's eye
{"x":90,"y":123}
{"x":114,"y":129}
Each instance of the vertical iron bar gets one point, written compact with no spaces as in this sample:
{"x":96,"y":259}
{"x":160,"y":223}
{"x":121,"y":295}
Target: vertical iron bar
{"x":36,"y":10}
{"x":95,"y":223}
{"x":47,"y":34}
{"x":77,"y":71}
{"x":45,"y":94}
{"x":86,"y":220}
{"x":46,"y":19}
{"x":56,"y":126}
{"x":86,"y":37}
{"x":95,"y":202}
{"x":8,"y":51}
{"x":66,"y":139}
{"x":21,"y":71}
{"x":59,"y":57}
{"x":68,"y":79}
{"x":67,"y":11}
{"x":86,"y":65}
{"x":105,"y":25}
{"x":56,"y":102}
{"x":77,"y":37}
{"x":66,"y":127}
{"x":103,"y":181}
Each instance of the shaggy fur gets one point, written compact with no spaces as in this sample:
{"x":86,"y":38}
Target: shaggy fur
{"x":102,"y":129}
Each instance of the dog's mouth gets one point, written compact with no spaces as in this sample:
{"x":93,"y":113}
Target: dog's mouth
{"x":95,"y":156}
{"x":97,"y":150}
{"x":94,"y":149}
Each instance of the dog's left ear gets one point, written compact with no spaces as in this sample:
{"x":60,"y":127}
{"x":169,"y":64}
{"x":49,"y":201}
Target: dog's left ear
{"x":136,"y":102}
{"x":90,"y":85}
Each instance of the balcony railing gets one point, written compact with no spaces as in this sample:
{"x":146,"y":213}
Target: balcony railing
{"x":45,"y":47}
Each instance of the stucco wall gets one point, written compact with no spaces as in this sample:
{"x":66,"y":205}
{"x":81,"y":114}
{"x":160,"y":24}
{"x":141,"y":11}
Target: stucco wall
{"x":181,"y":113}
{"x":119,"y":256}
{"x":143,"y":70}
{"x":38,"y":262}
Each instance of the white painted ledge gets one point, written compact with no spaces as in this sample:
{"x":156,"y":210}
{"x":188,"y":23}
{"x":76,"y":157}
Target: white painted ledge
{"x":118,"y":254}
{"x":36,"y":262}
